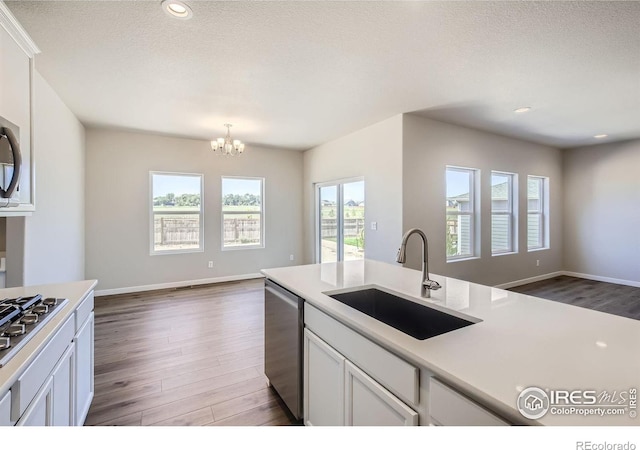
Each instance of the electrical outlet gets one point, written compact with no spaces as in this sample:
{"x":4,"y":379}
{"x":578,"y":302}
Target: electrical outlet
{"x":210,"y":264}
{"x":290,"y":257}
{"x":537,"y":263}
{"x":374,"y":225}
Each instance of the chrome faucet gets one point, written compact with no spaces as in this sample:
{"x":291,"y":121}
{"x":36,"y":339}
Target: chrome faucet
{"x":427,"y":285}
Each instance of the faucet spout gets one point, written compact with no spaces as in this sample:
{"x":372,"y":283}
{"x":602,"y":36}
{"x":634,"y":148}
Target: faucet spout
{"x":427,"y":285}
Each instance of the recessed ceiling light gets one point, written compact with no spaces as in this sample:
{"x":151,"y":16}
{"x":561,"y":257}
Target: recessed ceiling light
{"x":524,"y":109}
{"x":177,"y":9}
{"x":601,"y":344}
{"x":600,"y":136}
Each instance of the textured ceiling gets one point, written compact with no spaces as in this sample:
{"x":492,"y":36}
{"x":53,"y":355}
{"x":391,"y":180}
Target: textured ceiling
{"x":297,"y":74}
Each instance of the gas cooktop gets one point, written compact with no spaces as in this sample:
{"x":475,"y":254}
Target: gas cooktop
{"x":20,"y":320}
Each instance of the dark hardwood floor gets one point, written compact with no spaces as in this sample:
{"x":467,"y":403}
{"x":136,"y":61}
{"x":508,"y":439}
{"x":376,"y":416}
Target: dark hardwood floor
{"x":190,"y":356}
{"x":605,"y":297}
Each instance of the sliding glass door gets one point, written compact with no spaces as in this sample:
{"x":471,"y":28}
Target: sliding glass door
{"x":340,"y":221}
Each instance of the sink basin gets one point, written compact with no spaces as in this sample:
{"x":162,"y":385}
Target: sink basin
{"x":419,"y":321}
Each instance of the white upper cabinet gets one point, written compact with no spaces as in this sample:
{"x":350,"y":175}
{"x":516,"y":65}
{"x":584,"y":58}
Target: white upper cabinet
{"x":16,"y":109}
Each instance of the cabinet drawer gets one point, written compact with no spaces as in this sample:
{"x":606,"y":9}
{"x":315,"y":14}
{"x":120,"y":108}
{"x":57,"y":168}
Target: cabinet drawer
{"x":449,"y":407}
{"x":32,"y":379}
{"x":393,"y":373}
{"x":83,"y":311}
{"x":5,"y":409}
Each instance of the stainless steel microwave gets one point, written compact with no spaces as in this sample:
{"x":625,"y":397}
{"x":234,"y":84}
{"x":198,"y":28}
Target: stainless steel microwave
{"x":10,"y":164}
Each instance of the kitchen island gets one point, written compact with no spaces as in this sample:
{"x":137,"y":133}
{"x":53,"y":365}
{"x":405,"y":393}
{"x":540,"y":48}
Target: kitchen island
{"x":518,"y":342}
{"x":49,"y":381}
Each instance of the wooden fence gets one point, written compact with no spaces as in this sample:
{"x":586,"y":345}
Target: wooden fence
{"x":176,"y":231}
{"x":352,"y":227}
{"x":184,"y":230}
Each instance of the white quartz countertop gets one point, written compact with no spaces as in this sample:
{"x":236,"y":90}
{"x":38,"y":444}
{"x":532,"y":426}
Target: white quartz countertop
{"x":75,"y":292}
{"x":520,"y":341}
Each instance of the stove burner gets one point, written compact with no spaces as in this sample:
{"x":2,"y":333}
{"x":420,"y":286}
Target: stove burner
{"x":20,"y":320}
{"x":28,"y":319}
{"x":40,"y":309}
{"x":50,"y":301}
{"x":16,"y":329}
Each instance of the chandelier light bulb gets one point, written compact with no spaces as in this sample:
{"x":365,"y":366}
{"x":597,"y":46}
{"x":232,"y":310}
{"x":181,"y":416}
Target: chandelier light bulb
{"x":227,"y":146}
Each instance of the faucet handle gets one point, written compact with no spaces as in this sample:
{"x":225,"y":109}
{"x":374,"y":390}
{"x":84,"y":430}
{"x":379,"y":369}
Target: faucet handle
{"x":431,"y":285}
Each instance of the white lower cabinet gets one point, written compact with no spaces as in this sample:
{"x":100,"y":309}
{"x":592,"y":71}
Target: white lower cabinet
{"x":54,"y":403}
{"x":5,"y":409}
{"x":323,"y":382}
{"x":63,"y":395}
{"x":450,"y":407}
{"x":369,"y":403}
{"x":336,"y":392}
{"x":84,"y":370}
{"x":40,"y":410}
{"x":56,"y":388}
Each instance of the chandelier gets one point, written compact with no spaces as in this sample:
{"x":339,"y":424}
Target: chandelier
{"x":227,"y":146}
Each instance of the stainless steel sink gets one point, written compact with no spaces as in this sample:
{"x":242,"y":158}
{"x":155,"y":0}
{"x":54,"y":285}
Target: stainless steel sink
{"x":416,"y":320}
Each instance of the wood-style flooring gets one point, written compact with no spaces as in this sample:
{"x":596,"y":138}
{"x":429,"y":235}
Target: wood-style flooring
{"x":605,"y":297}
{"x":191,"y":356}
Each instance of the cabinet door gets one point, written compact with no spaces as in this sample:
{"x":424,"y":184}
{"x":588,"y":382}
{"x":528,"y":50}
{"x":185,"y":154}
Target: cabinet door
{"x":40,"y":411}
{"x":5,"y":409}
{"x":63,"y":383}
{"x":323,"y":382}
{"x":368,"y":403}
{"x":84,"y":370}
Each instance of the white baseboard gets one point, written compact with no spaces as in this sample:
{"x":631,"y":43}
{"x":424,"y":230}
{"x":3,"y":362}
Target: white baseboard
{"x":586,"y":276}
{"x":605,"y":279}
{"x":545,"y":276}
{"x":176,"y":284}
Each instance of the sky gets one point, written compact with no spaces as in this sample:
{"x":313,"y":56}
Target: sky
{"x":177,"y":184}
{"x":190,"y":184}
{"x":352,"y":191}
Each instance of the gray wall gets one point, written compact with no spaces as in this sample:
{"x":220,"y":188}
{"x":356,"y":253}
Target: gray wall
{"x":117,"y":208}
{"x":48,"y":246}
{"x":3,"y":234}
{"x":429,"y":146}
{"x":375,"y":153}
{"x":602,"y":210}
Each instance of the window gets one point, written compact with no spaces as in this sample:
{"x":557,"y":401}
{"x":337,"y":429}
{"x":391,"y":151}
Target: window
{"x":502,"y":213}
{"x":176,"y":213}
{"x":537,"y":212}
{"x":242,"y":213}
{"x":340,"y":221}
{"x":460,"y":209}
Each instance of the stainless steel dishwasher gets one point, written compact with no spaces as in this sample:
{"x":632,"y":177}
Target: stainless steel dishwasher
{"x":283,"y":331}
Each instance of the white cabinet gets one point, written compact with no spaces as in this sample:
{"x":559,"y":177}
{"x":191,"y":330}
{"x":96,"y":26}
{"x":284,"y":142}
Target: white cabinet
{"x":56,"y":388}
{"x":449,"y":407}
{"x":40,"y":410}
{"x":368,"y":403}
{"x":63,"y":395}
{"x":16,"y":91}
{"x":53,"y":404}
{"x":336,"y":392}
{"x":84,"y":369}
{"x":5,"y":409}
{"x":323,"y":382}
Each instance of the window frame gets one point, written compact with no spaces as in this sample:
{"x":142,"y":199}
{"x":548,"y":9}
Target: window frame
{"x":474,"y":212}
{"x":510,"y":212}
{"x":152,"y":250}
{"x":339,"y":215}
{"x":542,"y":212}
{"x":262,"y":215}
